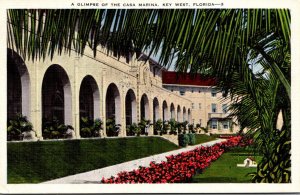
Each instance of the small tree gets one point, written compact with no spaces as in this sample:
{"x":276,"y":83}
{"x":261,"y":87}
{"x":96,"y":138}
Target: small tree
{"x":173,"y":126}
{"x":158,"y":126}
{"x":112,"y":129}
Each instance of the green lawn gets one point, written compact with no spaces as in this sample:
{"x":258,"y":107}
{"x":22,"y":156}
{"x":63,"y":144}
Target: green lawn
{"x":202,"y":138}
{"x":34,"y":162}
{"x":224,"y":170}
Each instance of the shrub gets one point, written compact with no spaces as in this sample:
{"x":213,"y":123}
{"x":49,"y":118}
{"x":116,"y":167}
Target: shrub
{"x":166,"y":127}
{"x":130,"y":130}
{"x":54,"y":129}
{"x":192,"y":138}
{"x":185,"y":125}
{"x":17,"y":126}
{"x":158,"y":126}
{"x":89,"y":127}
{"x":183,"y":140}
{"x":173,"y":126}
{"x":191,"y":127}
{"x":112,"y":129}
{"x":143,"y":125}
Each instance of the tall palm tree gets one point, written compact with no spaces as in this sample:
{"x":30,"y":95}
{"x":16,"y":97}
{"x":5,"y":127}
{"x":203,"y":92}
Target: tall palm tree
{"x":221,"y":42}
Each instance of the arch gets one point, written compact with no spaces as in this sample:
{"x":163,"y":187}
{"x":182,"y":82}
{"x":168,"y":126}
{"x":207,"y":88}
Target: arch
{"x":130,"y":106}
{"x":184,"y":118}
{"x":189,"y":116}
{"x":56,"y":96}
{"x":172,"y":111}
{"x":18,"y":86}
{"x":113,"y":103}
{"x":144,"y":107}
{"x":89,"y":98}
{"x":165,"y":111}
{"x":179,"y":116}
{"x":155,"y":110}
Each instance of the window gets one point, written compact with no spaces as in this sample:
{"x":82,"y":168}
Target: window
{"x":193,"y":106}
{"x":214,"y":124}
{"x":224,"y":108}
{"x":199,"y":106}
{"x":213,"y":93}
{"x":213,"y":108}
{"x":182,"y":92}
{"x":226,"y":125}
{"x":192,"y":91}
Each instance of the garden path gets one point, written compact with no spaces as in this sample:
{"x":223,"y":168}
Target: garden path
{"x":94,"y":176}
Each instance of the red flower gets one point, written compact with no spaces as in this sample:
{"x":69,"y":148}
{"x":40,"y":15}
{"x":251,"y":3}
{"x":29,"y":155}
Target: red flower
{"x":180,"y":167}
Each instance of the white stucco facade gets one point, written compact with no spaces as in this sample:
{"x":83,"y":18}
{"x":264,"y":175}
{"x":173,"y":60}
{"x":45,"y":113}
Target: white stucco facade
{"x":105,"y":73}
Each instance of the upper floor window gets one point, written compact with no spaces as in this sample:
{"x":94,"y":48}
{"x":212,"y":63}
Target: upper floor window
{"x":224,"y":108}
{"x":213,"y":108}
{"x":182,"y":92}
{"x":193,"y":106}
{"x":213,"y":93}
{"x":199,"y":106}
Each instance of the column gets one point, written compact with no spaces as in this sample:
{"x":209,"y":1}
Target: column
{"x":123,"y":112}
{"x":36,"y":101}
{"x":150,"y":130}
{"x":103,"y":101}
{"x":75,"y":99}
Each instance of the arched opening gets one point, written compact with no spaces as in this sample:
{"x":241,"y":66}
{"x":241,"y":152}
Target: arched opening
{"x":172,"y":111}
{"x":165,"y":111}
{"x":56,"y":96}
{"x":89,"y":98}
{"x":18,"y":86}
{"x":184,"y":118}
{"x":144,"y":107}
{"x":179,"y":117}
{"x":130,"y":104}
{"x":113,"y":104}
{"x":189,"y":116}
{"x":155,"y":110}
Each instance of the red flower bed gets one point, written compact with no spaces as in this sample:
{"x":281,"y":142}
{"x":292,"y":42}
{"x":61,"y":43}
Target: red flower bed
{"x":179,"y":168}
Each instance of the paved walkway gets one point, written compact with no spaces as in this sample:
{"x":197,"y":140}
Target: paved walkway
{"x":95,"y":176}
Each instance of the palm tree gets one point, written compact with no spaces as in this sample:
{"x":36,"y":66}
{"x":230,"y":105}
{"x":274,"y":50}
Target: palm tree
{"x":220,"y":42}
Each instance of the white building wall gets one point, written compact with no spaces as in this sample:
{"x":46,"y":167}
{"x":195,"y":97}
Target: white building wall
{"x":135,"y":75}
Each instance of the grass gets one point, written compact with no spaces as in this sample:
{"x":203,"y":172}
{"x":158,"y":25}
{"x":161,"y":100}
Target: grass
{"x":224,"y":170}
{"x":202,"y":138}
{"x":34,"y":162}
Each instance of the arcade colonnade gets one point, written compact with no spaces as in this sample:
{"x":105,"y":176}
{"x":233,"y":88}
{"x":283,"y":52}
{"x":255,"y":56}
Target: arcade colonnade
{"x":70,"y":87}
